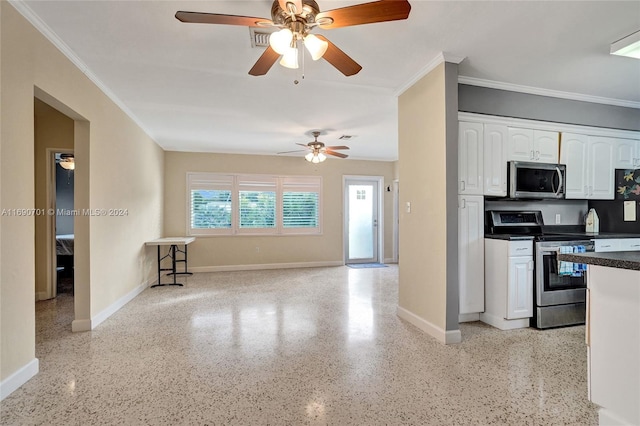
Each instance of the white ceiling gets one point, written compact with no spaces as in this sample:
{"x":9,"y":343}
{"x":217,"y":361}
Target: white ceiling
{"x":188,"y":87}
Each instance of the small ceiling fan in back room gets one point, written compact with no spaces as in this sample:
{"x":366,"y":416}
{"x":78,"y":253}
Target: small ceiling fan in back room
{"x":317,"y":151}
{"x":297,"y":19}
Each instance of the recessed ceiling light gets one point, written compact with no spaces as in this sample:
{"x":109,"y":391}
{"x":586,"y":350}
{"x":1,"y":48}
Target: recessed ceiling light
{"x":628,"y":46}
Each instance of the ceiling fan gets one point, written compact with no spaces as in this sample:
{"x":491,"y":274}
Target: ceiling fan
{"x":297,"y":18}
{"x":318,"y":151}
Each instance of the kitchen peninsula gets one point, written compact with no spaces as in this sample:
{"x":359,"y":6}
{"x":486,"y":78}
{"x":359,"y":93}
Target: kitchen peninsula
{"x":613,"y":333}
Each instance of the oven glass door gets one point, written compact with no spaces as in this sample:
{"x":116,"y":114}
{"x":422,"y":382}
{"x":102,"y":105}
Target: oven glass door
{"x":561,"y":275}
{"x":537,"y":180}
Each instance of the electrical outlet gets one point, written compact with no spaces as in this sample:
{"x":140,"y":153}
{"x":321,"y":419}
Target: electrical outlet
{"x":408,"y":206}
{"x":257,"y":249}
{"x":558,"y":219}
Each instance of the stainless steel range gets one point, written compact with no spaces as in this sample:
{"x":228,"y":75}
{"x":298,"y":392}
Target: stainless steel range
{"x":560,"y":287}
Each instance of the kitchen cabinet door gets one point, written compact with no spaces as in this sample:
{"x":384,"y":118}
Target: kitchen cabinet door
{"x":546,"y":146}
{"x":573,"y":153}
{"x":471,"y":253}
{"x":627,"y":153}
{"x":537,"y":146}
{"x":520,"y":287}
{"x":495,"y":160}
{"x":470,"y":158}
{"x":520,"y":144}
{"x":630,"y":244}
{"x":601,"y":173}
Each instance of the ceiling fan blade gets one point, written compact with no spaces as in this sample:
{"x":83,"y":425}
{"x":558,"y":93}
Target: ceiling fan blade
{"x":339,"y":59}
{"x":296,"y":3}
{"x":305,"y":145}
{"x":337,"y":147}
{"x":264,"y":62}
{"x":289,"y":152}
{"x":366,"y":13}
{"x":336,"y":154}
{"x":217,"y":18}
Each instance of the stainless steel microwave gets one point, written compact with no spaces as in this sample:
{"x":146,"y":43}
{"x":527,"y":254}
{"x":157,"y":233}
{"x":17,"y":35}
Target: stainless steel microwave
{"x":536,"y":180}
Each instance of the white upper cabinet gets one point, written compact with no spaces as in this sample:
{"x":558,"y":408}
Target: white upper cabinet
{"x":590,"y":166}
{"x":470,"y":158}
{"x":495,"y":160}
{"x":573,"y":153}
{"x":539,"y":146}
{"x":601,"y":168}
{"x":627,"y":154}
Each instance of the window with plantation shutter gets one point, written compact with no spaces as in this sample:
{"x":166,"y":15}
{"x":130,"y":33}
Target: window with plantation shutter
{"x":257,"y":210}
{"x":301,"y":204}
{"x":210,"y":204}
{"x":228,"y":204}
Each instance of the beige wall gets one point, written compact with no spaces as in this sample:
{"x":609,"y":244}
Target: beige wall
{"x":52,"y":130}
{"x":424,"y":272}
{"x":119,"y":166}
{"x":241,"y":250}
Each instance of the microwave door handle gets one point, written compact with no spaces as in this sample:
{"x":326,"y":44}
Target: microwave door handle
{"x":559,"y":181}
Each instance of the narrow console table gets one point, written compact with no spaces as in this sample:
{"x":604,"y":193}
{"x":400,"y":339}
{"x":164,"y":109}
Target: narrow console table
{"x":173,"y":243}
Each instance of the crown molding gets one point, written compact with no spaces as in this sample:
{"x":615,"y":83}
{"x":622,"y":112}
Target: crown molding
{"x":437,"y":60}
{"x":546,"y":92}
{"x":50,"y":35}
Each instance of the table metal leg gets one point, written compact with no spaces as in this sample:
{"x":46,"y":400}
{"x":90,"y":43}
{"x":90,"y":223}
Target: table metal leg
{"x":172,"y":254}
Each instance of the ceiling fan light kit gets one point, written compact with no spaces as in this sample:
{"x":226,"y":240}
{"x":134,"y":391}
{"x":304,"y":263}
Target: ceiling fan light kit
{"x":298,"y":18}
{"x":317,"y":151}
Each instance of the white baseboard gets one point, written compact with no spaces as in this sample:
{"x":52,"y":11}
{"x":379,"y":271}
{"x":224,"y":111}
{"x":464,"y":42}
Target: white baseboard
{"x":443,"y":336}
{"x":88,"y":325}
{"x":19,"y":378}
{"x":469,"y":317}
{"x":504,"y":324}
{"x":609,"y":418}
{"x":262,"y":266}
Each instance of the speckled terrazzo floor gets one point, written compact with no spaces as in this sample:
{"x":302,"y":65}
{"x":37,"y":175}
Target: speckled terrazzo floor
{"x":293,"y":347}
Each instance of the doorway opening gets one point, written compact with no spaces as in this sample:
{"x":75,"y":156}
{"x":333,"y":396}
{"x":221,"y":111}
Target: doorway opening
{"x":62,"y":203}
{"x":363,"y":219}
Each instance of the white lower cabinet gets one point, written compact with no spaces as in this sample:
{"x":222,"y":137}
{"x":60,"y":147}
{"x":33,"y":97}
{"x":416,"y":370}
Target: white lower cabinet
{"x":471,"y":254}
{"x":520,"y":287}
{"x":508,"y":283}
{"x":617,"y":244}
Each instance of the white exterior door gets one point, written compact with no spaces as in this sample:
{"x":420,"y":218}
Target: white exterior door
{"x":362,"y":221}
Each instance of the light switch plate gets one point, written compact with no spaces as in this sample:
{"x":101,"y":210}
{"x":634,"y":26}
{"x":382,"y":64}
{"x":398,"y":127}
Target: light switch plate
{"x":629,"y":211}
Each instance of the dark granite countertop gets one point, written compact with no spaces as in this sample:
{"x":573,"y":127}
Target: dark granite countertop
{"x":604,"y":235}
{"x":612,"y":259}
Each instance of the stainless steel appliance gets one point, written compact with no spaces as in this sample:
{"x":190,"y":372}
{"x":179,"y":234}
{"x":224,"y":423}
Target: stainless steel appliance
{"x":536,"y":180}
{"x":559,"y":292}
{"x":559,"y":295}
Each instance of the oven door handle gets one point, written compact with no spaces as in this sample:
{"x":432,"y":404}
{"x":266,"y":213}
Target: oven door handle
{"x":560,"y":183}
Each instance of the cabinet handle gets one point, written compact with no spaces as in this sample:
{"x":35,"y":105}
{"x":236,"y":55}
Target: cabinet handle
{"x":532,"y":156}
{"x":537,"y":155}
{"x":462,"y":185}
{"x":530,"y":265}
{"x":463,"y":205}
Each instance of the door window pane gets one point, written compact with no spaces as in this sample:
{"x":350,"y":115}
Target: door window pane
{"x":361,"y":230}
